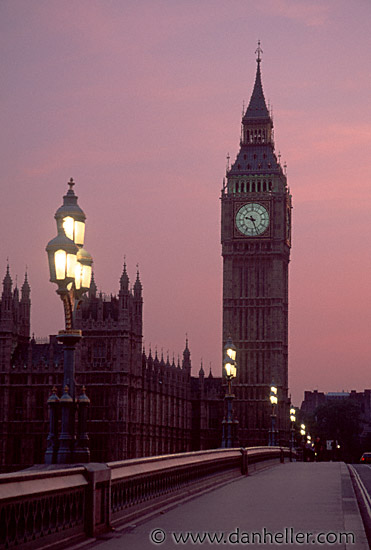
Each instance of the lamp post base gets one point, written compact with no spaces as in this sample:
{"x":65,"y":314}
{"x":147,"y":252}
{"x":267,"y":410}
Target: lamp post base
{"x":67,"y":438}
{"x":228,"y":423}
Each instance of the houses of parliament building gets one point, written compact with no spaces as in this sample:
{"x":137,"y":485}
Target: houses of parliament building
{"x":142,"y":403}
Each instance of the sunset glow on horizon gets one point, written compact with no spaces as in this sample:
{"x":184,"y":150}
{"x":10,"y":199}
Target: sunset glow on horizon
{"x":140,"y":102}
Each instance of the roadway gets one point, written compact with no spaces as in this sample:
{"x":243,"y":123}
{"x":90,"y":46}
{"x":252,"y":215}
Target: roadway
{"x":361,"y":474}
{"x":364,"y":472}
{"x":308,"y":505}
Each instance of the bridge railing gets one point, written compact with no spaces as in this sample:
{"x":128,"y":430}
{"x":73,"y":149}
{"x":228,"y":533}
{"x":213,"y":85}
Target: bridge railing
{"x":51,"y":506}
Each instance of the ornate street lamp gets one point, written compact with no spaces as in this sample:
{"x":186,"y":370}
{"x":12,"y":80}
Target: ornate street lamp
{"x":274,"y":401}
{"x":230,"y":370}
{"x":70,"y":267}
{"x":292,"y":420}
{"x":302,"y":430}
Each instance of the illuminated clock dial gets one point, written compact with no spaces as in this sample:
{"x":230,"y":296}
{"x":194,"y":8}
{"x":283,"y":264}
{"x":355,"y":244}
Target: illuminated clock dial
{"x":252,"y":219}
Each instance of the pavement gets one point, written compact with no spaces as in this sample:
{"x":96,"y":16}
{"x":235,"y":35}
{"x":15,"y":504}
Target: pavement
{"x":288,"y":506}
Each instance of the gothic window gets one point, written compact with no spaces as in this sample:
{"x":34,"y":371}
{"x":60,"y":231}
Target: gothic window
{"x":99,"y":351}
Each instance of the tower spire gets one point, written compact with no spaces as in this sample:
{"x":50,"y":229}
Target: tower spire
{"x":257,"y":107}
{"x":258,"y":51}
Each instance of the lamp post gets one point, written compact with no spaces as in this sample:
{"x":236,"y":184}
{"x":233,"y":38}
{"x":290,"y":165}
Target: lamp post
{"x":293,"y":420}
{"x":70,"y":267}
{"x":230,"y":369}
{"x":302,"y":431}
{"x":274,"y":401}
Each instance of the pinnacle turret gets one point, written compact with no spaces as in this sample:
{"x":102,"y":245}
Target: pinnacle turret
{"x":93,"y":287}
{"x":26,"y":289}
{"x":7,"y":283}
{"x":124,"y":279}
{"x":201,"y":372}
{"x":137,"y":286}
{"x":186,"y":357}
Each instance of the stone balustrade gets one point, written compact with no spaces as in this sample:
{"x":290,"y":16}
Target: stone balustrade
{"x":45,"y":506}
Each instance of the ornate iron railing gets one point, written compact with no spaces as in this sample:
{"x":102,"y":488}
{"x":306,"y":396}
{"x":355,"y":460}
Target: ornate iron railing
{"x":39,"y":506}
{"x":140,"y":480}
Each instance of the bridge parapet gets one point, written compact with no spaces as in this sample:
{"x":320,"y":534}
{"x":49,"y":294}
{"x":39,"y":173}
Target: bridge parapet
{"x":51,"y":506}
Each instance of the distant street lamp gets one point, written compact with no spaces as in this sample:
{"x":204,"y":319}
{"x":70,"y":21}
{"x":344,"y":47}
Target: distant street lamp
{"x":292,"y":420}
{"x":230,"y":369}
{"x":70,"y":267}
{"x":302,"y":433}
{"x":274,"y":401}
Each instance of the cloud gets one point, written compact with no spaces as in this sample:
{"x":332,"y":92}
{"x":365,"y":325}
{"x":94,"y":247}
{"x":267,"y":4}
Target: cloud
{"x":312,"y":14}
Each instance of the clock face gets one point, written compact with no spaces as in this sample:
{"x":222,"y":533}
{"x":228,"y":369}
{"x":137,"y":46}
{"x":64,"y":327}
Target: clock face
{"x":252,"y":219}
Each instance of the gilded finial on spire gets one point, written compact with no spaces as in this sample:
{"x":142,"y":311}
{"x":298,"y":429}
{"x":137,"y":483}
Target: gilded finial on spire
{"x":258,"y":51}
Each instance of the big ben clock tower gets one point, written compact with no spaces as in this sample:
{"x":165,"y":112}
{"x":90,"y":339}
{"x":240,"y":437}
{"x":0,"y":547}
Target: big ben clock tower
{"x":256,"y":241}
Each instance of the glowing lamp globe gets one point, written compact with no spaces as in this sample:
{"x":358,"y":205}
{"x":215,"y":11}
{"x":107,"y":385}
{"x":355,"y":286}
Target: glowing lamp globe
{"x":71,"y":218}
{"x":83,"y":270}
{"x":230,"y":349}
{"x":62,"y":260}
{"x":230,"y":370}
{"x":273,"y":400}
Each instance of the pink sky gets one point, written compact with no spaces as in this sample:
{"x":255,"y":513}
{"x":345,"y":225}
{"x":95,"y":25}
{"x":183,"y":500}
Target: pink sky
{"x":140,"y":102}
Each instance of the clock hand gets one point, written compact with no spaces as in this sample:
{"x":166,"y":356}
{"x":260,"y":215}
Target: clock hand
{"x":253,"y":220}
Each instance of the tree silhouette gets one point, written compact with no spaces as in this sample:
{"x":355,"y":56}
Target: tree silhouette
{"x":339,"y":420}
